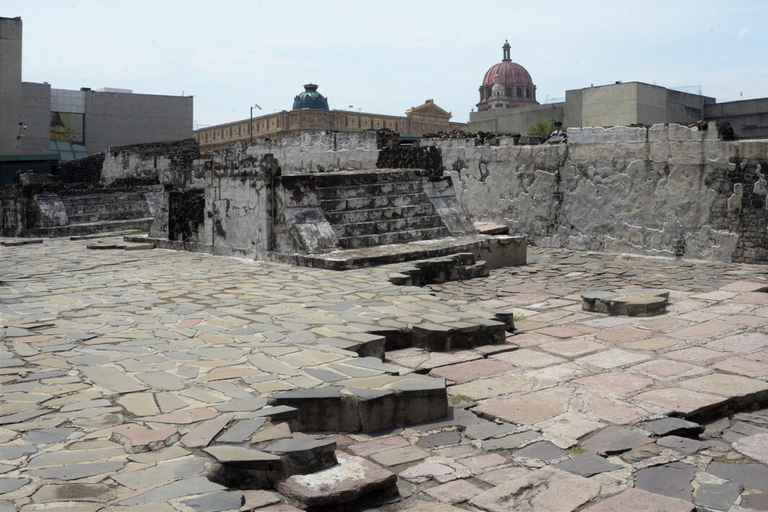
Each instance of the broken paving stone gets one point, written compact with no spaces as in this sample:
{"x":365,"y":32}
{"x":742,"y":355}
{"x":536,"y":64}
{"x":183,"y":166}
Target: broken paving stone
{"x":642,"y":501}
{"x":77,"y":471}
{"x":542,"y":450}
{"x":587,"y":465}
{"x":217,"y":502}
{"x":673,"y":480}
{"x":350,"y":480}
{"x":178,"y":489}
{"x":613,"y":440}
{"x":717,"y":496}
{"x":751,"y":476}
{"x":99,"y":493}
{"x":544,"y":489}
{"x":681,"y":444}
{"x":137,"y":440}
{"x":673,"y":427}
{"x":754,"y":446}
{"x":259,"y":499}
{"x":754,"y":502}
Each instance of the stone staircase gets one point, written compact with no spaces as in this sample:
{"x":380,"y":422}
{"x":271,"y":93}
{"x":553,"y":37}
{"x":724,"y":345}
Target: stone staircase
{"x":81,"y":212}
{"x":370,"y":209}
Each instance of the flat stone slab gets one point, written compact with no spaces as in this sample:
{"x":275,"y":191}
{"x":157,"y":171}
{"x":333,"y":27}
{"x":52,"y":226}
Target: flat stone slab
{"x":350,"y":480}
{"x":638,"y":500}
{"x":544,"y":489}
{"x":626,"y":302}
{"x":99,"y":493}
{"x":217,"y":502}
{"x":178,"y":489}
{"x":673,"y":480}
{"x":613,"y":440}
{"x":751,"y":476}
{"x":717,"y":496}
{"x":587,"y":465}
{"x":755,"y":447}
{"x":77,"y":471}
{"x":542,"y":450}
{"x":681,"y":444}
{"x":241,"y":457}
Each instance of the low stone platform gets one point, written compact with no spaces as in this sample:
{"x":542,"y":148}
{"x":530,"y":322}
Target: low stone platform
{"x":129,"y":384}
{"x":626,"y":302}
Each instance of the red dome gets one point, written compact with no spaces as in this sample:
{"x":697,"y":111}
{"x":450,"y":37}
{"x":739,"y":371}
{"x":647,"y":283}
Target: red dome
{"x":509,"y":73}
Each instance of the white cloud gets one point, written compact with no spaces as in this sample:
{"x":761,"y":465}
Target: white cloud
{"x":743,"y":32}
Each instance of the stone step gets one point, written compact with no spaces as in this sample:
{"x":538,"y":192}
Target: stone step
{"x":370,"y":190}
{"x":139,"y":224}
{"x":366,"y":177}
{"x":82,"y":218}
{"x":368,"y":203}
{"x":397,"y":237}
{"x":357,"y":229}
{"x":390,"y":212}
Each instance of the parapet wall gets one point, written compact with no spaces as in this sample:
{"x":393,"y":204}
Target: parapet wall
{"x":667,"y":190}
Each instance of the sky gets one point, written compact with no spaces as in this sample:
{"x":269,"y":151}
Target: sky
{"x":386,"y":57}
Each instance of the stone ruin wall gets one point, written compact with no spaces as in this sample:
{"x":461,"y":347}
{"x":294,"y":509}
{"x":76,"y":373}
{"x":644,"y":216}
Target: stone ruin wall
{"x":660,"y":191}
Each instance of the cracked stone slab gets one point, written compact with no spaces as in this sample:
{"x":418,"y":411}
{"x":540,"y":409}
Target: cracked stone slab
{"x":137,"y":440}
{"x":351,"y":479}
{"x":100,"y":493}
{"x":673,"y":480}
{"x":246,"y":458}
{"x":613,"y":440}
{"x":161,"y":473}
{"x":203,"y":434}
{"x":77,"y":471}
{"x":217,"y":502}
{"x":544,"y":489}
{"x":673,"y":427}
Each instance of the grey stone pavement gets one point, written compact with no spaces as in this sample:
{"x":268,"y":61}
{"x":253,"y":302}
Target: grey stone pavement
{"x":119,"y":367}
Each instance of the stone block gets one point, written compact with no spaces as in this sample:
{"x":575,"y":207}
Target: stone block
{"x":353,"y":479}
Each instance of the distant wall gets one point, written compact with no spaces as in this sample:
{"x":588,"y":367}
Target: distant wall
{"x":36,"y":113}
{"x":665,"y":190}
{"x":118,"y":119}
{"x":749,"y":118}
{"x":515,"y":120}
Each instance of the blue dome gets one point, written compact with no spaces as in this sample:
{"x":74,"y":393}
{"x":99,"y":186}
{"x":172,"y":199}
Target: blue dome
{"x":310,"y":98}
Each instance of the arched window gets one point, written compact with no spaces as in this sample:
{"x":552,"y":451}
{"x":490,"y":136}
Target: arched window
{"x":519,"y":93}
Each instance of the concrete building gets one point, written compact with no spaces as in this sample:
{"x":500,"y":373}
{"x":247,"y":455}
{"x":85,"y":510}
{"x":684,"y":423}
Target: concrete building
{"x":45,"y":125}
{"x":617,"y":104}
{"x":311,"y":112}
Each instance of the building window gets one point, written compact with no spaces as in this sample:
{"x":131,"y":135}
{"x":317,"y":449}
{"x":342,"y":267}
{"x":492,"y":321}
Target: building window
{"x":66,"y":126}
{"x":519,"y":93}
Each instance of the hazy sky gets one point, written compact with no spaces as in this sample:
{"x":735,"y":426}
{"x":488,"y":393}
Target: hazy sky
{"x":387,"y":56}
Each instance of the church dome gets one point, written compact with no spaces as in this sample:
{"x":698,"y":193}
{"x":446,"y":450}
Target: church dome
{"x":506,"y":85}
{"x":509,"y":72}
{"x":310,"y":98}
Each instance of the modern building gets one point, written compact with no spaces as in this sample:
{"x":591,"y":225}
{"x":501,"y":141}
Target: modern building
{"x":311,"y":112}
{"x":40,"y":123}
{"x":606,"y":105}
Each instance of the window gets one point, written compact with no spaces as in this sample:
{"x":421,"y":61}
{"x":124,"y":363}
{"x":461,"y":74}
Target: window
{"x":66,"y":126}
{"x":68,"y":150}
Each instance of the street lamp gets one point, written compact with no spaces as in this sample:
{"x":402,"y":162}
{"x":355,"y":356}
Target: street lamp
{"x":250,"y":126}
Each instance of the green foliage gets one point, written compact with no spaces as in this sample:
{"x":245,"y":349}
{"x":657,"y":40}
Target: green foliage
{"x":542,"y":128}
{"x":460,"y":398}
{"x":577,"y":449}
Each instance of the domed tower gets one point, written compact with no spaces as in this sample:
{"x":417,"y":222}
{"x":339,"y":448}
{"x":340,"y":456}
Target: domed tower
{"x":310,"y":98}
{"x":507,"y":84}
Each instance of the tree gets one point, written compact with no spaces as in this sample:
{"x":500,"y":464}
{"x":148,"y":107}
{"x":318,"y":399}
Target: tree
{"x":542,"y":128}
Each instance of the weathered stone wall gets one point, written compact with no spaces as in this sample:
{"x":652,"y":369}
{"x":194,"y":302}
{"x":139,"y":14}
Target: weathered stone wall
{"x":664,"y":190}
{"x":166,"y":162}
{"x":318,"y":151}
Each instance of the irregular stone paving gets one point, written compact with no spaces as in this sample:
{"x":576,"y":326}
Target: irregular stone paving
{"x":125,"y":376}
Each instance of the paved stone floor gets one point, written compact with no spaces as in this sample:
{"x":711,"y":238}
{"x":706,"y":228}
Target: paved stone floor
{"x":577,"y":410}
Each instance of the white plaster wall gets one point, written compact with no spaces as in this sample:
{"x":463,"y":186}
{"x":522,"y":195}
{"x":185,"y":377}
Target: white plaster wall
{"x":622,"y":189}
